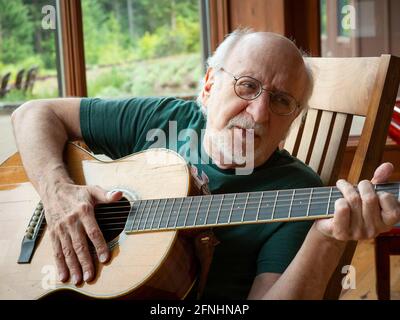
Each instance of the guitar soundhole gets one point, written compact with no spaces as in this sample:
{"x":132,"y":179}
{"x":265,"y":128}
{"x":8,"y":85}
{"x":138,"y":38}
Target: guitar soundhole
{"x":112,"y":217}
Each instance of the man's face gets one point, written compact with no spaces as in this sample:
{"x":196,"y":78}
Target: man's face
{"x":229,"y":117}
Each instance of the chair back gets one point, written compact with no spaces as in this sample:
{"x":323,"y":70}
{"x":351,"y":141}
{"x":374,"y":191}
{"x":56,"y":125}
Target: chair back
{"x":344,"y":88}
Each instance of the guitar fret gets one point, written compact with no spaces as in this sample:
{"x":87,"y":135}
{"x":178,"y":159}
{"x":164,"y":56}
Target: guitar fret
{"x":245,"y":205}
{"x":155,"y":213}
{"x":187,"y":212}
{"x":148,"y":214}
{"x":329,"y":201}
{"x":140,"y":219}
{"x":259,"y":206}
{"x":309,"y":203}
{"x":170,"y":212}
{"x":134,"y":218}
{"x":208,"y":210}
{"x":291,"y":204}
{"x":177,"y":214}
{"x":219,"y":209}
{"x":197,"y":211}
{"x":162,"y":213}
{"x":274,"y":208}
{"x":230,"y":213}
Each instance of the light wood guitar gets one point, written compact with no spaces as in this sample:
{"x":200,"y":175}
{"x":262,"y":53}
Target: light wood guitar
{"x":150,"y":231}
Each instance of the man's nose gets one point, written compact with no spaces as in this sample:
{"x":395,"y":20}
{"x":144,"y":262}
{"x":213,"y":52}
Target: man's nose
{"x":259,"y":108}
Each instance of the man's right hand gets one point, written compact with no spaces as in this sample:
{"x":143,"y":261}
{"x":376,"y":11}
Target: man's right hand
{"x":69,"y":211}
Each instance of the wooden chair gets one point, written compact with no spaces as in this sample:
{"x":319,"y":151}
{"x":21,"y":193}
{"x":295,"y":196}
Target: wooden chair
{"x":30,"y":79}
{"x":19,"y":79}
{"x":386,"y":245}
{"x":4,"y":87}
{"x":343,"y":88}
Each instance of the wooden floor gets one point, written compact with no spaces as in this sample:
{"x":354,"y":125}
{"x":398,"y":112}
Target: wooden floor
{"x":364,"y":264}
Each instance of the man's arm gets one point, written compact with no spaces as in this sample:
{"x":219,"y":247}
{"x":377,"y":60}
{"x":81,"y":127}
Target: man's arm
{"x":41,"y":129}
{"x":307,"y":275}
{"x":357,"y":216}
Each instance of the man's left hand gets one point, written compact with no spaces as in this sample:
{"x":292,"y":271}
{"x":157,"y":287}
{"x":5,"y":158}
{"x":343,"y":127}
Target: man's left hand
{"x":363,"y":214}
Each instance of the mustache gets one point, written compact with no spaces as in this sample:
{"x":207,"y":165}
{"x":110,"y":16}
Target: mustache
{"x":244,"y":122}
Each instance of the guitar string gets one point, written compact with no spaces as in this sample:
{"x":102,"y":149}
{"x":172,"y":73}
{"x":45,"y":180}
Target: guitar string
{"x":204,"y":223}
{"x":265,"y":200}
{"x":224,"y":210}
{"x":267,"y":194}
{"x":104,"y":226}
{"x":218,"y":219}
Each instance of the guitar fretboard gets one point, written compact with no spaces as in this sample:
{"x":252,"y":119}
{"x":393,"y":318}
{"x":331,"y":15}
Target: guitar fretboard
{"x":237,"y":208}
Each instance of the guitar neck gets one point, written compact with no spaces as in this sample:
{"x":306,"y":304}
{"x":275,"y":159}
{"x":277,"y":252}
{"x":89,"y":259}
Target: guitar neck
{"x":237,"y":208}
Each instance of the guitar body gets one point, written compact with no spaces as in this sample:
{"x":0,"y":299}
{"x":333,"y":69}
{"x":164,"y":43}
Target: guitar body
{"x":143,"y":266}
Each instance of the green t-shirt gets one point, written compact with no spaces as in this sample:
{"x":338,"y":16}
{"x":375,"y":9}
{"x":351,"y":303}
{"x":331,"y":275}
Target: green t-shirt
{"x":120,"y":127}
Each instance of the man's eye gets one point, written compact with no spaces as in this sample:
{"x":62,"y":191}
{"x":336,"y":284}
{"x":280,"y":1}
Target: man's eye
{"x":249,"y":85}
{"x":281,"y":99}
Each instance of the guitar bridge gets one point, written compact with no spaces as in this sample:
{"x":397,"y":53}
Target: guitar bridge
{"x":32,"y":233}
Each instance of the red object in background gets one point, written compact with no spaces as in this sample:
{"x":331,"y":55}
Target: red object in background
{"x":394,"y":128}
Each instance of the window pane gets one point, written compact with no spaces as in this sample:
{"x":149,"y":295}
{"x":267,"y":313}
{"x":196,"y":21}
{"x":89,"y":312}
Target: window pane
{"x":28,"y":60}
{"x":142,"y":47}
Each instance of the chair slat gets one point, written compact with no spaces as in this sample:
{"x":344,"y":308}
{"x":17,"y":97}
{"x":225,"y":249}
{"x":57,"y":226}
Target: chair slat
{"x":321,"y":140}
{"x":335,"y":152}
{"x":309,"y":133}
{"x":292,"y":140}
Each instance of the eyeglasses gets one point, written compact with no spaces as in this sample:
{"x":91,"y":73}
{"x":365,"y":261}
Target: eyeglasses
{"x":248,"y":88}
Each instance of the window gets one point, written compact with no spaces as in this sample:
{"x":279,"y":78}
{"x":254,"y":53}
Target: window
{"x":142,"y":47}
{"x":323,"y":17}
{"x":28,"y":59}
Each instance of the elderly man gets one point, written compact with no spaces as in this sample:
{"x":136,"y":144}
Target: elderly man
{"x":256,"y":83}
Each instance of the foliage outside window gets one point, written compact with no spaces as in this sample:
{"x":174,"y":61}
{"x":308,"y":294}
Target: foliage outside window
{"x":142,"y":47}
{"x":26,"y":48}
{"x":323,"y":17}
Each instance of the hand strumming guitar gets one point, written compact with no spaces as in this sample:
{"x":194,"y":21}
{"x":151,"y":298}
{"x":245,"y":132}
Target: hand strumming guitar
{"x":69,"y":211}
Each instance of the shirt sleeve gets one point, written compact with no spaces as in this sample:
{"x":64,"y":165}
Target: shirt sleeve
{"x":114,"y":126}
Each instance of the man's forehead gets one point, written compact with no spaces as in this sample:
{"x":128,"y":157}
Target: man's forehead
{"x":272,"y":59}
{"x":275,"y":51}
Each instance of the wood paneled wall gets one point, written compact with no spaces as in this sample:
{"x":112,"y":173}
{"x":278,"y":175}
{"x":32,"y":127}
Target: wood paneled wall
{"x":298,"y":20}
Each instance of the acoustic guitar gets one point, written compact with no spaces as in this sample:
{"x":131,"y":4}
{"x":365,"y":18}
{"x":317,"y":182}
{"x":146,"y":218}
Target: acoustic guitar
{"x":149,"y":232}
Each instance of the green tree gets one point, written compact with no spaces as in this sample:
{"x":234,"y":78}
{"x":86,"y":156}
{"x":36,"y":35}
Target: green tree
{"x":16,"y":32}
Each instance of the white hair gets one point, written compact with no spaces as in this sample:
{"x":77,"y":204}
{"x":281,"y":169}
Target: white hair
{"x":220,"y":55}
{"x":226,"y":46}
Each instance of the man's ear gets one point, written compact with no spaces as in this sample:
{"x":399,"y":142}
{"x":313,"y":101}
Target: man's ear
{"x":208,"y":83}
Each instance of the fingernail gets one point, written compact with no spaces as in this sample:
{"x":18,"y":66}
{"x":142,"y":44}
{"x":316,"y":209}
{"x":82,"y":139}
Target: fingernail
{"x":103,"y":257}
{"x":110,"y":194}
{"x":61,"y":276}
{"x":86,"y":276}
{"x":75,"y":279}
